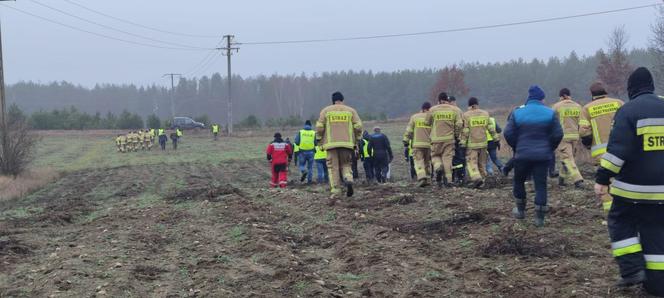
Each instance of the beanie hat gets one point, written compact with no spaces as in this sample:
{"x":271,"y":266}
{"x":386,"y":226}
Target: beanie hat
{"x":426,"y":106}
{"x":277,"y":136}
{"x":443,"y":96}
{"x":597,"y":89}
{"x":535,"y":93}
{"x":473,"y":101}
{"x":308,"y":122}
{"x":337,"y":96}
{"x":640,"y":82}
{"x":452,"y":99}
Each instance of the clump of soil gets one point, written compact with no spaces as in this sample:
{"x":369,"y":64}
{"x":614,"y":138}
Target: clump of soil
{"x":147,"y":273}
{"x":446,"y":226}
{"x":209,"y":192}
{"x":13,"y":247}
{"x":523,"y":243}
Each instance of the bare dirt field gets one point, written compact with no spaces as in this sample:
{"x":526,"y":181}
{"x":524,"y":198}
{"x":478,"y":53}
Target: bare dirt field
{"x":202,"y":222}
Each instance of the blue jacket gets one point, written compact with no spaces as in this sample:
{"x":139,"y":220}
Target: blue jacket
{"x":533,"y":131}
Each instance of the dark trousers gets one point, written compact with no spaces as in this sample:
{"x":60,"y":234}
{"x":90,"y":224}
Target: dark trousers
{"x":459,"y":164}
{"x":381,"y":166}
{"x":162,"y":142}
{"x":356,"y":174}
{"x":175,"y":144}
{"x":637,"y":241}
{"x":523,"y":169}
{"x":368,"y":164}
{"x":552,"y":165}
{"x":413,"y":173}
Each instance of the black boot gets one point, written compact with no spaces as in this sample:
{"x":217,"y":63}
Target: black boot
{"x":540,"y":213}
{"x":439,"y":178}
{"x":519,"y":211}
{"x":349,"y":189}
{"x":304,"y":176}
{"x":634,"y":279}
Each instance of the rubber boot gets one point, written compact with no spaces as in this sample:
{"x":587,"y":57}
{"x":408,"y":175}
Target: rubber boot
{"x":349,"y":189}
{"x":519,"y":211}
{"x":304,"y":176}
{"x":540,"y":213}
{"x":634,"y":279}
{"x":439,"y":178}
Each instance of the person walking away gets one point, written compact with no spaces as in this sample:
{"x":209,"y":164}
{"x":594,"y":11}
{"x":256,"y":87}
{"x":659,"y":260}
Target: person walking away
{"x":445,"y":130}
{"x":459,"y":159}
{"x":493,"y":146}
{"x":569,"y":115}
{"x":175,"y":138}
{"x":321,"y":165}
{"x":179,"y":132}
{"x":215,"y":131}
{"x":408,"y":154}
{"x":306,"y":141}
{"x":338,"y":129}
{"x":140,"y":139}
{"x":279,"y":154}
{"x":131,"y":140}
{"x":354,"y":163}
{"x":534,"y":132}
{"x":474,"y":139}
{"x":596,"y":124}
{"x":118,"y":142}
{"x":163,"y":139}
{"x":418,"y":132}
{"x":366,"y":156}
{"x":379,"y":146}
{"x":634,"y":158}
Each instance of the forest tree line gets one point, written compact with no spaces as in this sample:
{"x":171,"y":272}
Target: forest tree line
{"x":278,"y":99}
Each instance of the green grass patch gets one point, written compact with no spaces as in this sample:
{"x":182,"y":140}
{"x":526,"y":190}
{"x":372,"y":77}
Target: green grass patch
{"x":22,"y":212}
{"x":147,"y":200}
{"x":238,"y":233}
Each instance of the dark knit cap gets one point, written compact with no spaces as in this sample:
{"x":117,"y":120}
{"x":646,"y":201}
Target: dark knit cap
{"x":337,"y":96}
{"x":473,"y":101}
{"x":535,"y":93}
{"x":277,"y":136}
{"x":308,"y":122}
{"x":443,"y":96}
{"x":452,"y":99}
{"x":597,"y":89}
{"x":640,"y":82}
{"x":426,"y":106}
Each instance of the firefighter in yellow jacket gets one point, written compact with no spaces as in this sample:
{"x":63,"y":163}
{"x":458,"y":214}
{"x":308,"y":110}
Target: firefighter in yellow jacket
{"x":445,"y":130}
{"x":596,"y":124}
{"x":120,"y":142}
{"x":338,"y":129}
{"x":131,"y":142}
{"x":569,"y":115}
{"x":474,"y":138}
{"x":419,"y":132}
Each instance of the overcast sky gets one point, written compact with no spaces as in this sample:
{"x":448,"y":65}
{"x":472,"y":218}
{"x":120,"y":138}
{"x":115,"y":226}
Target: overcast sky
{"x":41,"y":51}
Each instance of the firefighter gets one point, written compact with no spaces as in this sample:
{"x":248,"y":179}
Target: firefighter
{"x":306,"y":142}
{"x":445,"y":130}
{"x":419,"y":132}
{"x":140,"y":139}
{"x":595,"y":126}
{"x":147,"y":139}
{"x":474,"y":139}
{"x":118,"y":142}
{"x":215,"y":131}
{"x":534,"y":132}
{"x":635,"y":158}
{"x":568,"y":113}
{"x":338,"y":129}
{"x":366,"y":156}
{"x":321,"y":165}
{"x":132,"y":141}
{"x":279,"y":153}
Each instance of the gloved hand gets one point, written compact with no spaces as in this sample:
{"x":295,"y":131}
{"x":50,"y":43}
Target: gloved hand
{"x":498,"y":145}
{"x":269,"y":157}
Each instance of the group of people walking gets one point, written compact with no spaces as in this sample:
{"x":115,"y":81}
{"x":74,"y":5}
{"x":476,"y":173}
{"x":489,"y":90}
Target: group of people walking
{"x":145,"y":139}
{"x":626,"y":141}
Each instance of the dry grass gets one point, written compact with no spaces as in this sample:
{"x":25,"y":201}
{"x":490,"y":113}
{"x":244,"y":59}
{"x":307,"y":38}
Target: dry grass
{"x":26,"y":183}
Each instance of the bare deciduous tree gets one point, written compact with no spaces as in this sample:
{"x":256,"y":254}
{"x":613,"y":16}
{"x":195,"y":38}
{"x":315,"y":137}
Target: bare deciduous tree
{"x":20,"y":147}
{"x":657,"y":47}
{"x":613,"y":68}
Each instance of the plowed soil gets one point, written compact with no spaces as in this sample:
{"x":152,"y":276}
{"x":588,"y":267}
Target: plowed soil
{"x":216,"y":230}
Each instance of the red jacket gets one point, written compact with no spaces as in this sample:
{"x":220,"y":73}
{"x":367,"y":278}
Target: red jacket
{"x":279,"y":152}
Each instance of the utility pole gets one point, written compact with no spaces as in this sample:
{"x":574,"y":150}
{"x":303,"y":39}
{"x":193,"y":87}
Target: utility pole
{"x":172,"y":75}
{"x":229,"y":52}
{"x":3,"y":106}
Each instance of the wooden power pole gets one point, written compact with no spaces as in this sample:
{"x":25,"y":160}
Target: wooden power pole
{"x":229,"y":104}
{"x":172,"y":75}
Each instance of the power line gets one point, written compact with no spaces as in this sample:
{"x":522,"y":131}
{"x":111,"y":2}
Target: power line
{"x":137,"y":24}
{"x":206,"y":60}
{"x":114,"y":29}
{"x":215,"y":57}
{"x":449,"y":30}
{"x":98,"y":34}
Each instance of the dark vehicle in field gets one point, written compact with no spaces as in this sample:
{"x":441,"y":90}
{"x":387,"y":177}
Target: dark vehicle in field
{"x":185,"y":123}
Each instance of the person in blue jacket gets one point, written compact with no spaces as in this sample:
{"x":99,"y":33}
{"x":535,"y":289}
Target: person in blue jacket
{"x":534,"y":132}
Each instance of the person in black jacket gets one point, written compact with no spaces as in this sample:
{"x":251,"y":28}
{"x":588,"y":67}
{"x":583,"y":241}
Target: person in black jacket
{"x":366,"y":157}
{"x":379,"y":145}
{"x":635,"y":161}
{"x":534,"y":132}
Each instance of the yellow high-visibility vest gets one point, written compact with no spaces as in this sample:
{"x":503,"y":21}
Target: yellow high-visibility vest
{"x":366,"y":148}
{"x":178,"y":132}
{"x":307,"y":139}
{"x":492,"y":123}
{"x":215,"y":128}
{"x":320,"y":153}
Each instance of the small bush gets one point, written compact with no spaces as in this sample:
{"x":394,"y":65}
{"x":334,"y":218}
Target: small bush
{"x":17,"y":154}
{"x":250,"y":122}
